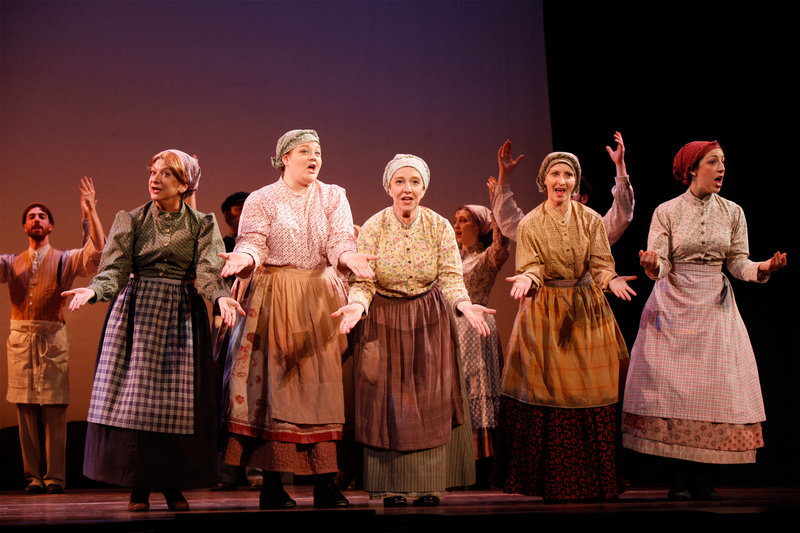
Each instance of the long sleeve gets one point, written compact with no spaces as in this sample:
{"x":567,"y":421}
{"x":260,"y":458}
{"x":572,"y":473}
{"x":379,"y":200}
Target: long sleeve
{"x":497,"y":253}
{"x":340,"y":222}
{"x":362,"y":290}
{"x":620,"y":215}
{"x":659,"y":240}
{"x":528,"y":260}
{"x":737,"y":258}
{"x":116,"y":263}
{"x":506,"y":213}
{"x":209,"y":283}
{"x":450,"y":279}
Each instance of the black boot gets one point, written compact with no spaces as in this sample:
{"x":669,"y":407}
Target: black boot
{"x":272,"y":494}
{"x":326,"y":494}
{"x":700,"y":482}
{"x":679,"y":489}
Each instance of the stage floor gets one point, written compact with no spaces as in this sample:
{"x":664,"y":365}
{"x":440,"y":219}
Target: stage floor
{"x":89,"y":510}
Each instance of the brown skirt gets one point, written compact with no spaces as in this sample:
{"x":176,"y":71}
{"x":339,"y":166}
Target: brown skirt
{"x":283,"y":392}
{"x":408,"y":395}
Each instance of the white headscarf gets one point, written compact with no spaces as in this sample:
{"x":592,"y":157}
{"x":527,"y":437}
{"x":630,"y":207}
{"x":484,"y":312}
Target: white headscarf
{"x":406,"y":160}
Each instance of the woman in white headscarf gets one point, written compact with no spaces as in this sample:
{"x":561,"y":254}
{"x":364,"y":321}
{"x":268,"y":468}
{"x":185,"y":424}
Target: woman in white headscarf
{"x":283,"y":381}
{"x":484,"y":250}
{"x":152,"y":420}
{"x":411,"y":411}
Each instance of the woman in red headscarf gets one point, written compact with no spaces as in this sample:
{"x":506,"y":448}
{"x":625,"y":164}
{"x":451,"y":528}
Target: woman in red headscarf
{"x":692,"y":393}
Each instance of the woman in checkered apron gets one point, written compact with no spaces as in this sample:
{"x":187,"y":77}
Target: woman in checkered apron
{"x":411,"y":412}
{"x":484,"y":250}
{"x":557,"y":430}
{"x":283,"y":392}
{"x":152,"y":421}
{"x":692,"y":394}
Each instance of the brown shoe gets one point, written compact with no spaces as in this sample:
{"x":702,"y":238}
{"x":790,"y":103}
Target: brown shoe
{"x":139,"y":501}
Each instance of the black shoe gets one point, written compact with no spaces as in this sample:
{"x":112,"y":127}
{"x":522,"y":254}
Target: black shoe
{"x":702,"y":490}
{"x":275,"y":498}
{"x":34,"y":488}
{"x":395,"y":501}
{"x":54,"y":488}
{"x":678,"y":493}
{"x":328,"y":495}
{"x":175,"y":500}
{"x":426,"y":501}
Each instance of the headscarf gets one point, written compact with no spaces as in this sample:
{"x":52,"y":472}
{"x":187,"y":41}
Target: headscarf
{"x":482,"y":216}
{"x":688,"y":156}
{"x":191,"y":169}
{"x":559,"y":157}
{"x":406,"y":160}
{"x":289,"y":141}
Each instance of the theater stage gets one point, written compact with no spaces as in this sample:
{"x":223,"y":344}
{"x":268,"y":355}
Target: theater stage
{"x":761,"y":509}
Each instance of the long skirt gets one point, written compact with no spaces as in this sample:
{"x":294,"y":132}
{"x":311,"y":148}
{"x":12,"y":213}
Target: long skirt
{"x":150,"y":314}
{"x":283,"y":394}
{"x":483,"y":358}
{"x":692,"y":391}
{"x":558,"y":454}
{"x":410,"y":410}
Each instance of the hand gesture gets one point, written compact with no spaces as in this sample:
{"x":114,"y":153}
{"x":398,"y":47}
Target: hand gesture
{"x":619,"y":286}
{"x":237,"y":263}
{"x":491,"y":184}
{"x":505,"y":160}
{"x":88,"y":198}
{"x":618,"y":155}
{"x":228,"y":308}
{"x":649,"y":260}
{"x":351,"y":314}
{"x":521,"y":284}
{"x":358,"y":263}
{"x":474,"y":315}
{"x":776,"y":262}
{"x":81,"y":296}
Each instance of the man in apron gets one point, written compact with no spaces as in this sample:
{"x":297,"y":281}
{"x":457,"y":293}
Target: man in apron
{"x":38,"y":347}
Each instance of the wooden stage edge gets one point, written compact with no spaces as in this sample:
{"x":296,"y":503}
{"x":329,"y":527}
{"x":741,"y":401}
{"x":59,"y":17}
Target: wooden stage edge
{"x":757,"y":509}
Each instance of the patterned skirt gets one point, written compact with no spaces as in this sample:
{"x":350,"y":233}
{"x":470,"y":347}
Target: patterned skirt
{"x":559,"y":454}
{"x":692,"y":390}
{"x":410,"y":410}
{"x":283,"y":395}
{"x":483,"y":359}
{"x":153,"y":420}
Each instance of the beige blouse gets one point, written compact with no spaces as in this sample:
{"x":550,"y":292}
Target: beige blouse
{"x":411,"y":258}
{"x":554,"y":247}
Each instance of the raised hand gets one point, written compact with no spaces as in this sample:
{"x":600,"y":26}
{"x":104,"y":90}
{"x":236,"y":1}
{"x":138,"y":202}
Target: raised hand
{"x":506,"y":162}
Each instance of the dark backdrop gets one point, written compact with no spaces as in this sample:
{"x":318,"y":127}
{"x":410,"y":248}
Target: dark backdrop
{"x":664,"y":74}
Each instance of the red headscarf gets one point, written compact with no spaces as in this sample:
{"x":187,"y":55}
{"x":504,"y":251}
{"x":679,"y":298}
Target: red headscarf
{"x":687,"y":156}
